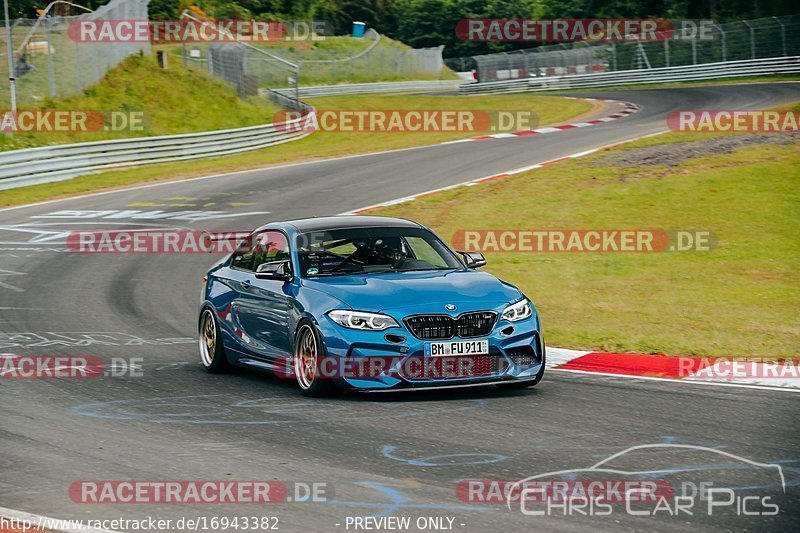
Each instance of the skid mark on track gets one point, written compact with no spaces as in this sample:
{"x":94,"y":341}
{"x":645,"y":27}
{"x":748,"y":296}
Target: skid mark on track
{"x":455,"y":459}
{"x":9,"y":286}
{"x":65,"y":339}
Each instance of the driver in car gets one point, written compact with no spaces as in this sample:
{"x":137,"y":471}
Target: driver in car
{"x":390,"y":250}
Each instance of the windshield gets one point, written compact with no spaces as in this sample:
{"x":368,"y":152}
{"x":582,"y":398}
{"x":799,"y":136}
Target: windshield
{"x":370,"y":250}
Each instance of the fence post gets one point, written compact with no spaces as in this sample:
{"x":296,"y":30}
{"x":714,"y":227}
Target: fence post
{"x":783,"y":35}
{"x":614,"y":56}
{"x":722,"y":39}
{"x":752,"y":39}
{"x":694,"y":50}
{"x":77,"y":67}
{"x":666,"y":52}
{"x":183,"y":48}
{"x":50,"y":68}
{"x":297,"y":81}
{"x":95,"y":64}
{"x":9,"y":48}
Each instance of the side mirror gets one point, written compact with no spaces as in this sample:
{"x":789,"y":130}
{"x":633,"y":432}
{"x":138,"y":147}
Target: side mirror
{"x":473,"y":259}
{"x":277,"y":270}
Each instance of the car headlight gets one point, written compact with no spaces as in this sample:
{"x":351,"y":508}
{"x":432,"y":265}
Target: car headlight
{"x":517,"y":311}
{"x":362,"y":320}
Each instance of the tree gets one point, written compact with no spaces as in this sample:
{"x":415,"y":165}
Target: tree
{"x":425,"y":23}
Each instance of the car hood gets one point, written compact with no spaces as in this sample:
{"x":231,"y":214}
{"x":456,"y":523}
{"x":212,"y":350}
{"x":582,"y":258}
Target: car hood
{"x":413,"y":292}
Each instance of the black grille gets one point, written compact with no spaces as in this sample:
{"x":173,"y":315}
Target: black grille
{"x":431,"y":326}
{"x":467,"y":325}
{"x":475,"y":324}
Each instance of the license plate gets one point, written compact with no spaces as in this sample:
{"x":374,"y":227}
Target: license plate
{"x":449,"y":348}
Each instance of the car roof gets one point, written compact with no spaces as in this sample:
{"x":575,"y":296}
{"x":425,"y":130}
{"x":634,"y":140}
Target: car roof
{"x":303,"y":225}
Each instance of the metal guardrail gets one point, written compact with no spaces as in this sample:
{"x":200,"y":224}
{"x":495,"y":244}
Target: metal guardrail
{"x":288,"y":102}
{"x":31,"y":166}
{"x":731,"y":69}
{"x":378,"y":87}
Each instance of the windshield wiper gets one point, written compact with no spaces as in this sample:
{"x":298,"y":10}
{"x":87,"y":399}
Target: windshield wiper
{"x":385,"y":271}
{"x":411,"y":270}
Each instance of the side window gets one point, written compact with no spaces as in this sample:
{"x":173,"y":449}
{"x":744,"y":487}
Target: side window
{"x":243,"y":260}
{"x":266,"y":246}
{"x":269,"y":246}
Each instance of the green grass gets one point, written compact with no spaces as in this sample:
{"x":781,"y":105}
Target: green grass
{"x":740,"y":299}
{"x":550,"y":109}
{"x":175,"y":100}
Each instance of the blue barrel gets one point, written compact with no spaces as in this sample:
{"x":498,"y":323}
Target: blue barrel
{"x":358,"y":29}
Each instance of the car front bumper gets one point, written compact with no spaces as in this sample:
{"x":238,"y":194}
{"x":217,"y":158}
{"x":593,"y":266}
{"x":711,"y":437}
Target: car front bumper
{"x":516,"y":353}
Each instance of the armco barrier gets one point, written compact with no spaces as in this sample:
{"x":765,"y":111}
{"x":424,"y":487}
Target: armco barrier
{"x":31,"y":166}
{"x":379,"y":87}
{"x":708,"y":71}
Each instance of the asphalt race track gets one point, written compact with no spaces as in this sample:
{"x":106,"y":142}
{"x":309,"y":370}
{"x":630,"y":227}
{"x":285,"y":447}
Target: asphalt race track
{"x":399,"y":455}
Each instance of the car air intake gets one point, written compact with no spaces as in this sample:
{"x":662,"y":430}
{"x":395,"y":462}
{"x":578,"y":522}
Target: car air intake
{"x":523,"y":356}
{"x":420,"y":368}
{"x":430,"y":327}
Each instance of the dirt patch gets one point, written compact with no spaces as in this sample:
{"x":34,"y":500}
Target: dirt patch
{"x":673,"y":154}
{"x":599,"y":109}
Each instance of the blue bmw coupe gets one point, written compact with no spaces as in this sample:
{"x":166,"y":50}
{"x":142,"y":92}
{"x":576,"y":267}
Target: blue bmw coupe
{"x":366,"y":303}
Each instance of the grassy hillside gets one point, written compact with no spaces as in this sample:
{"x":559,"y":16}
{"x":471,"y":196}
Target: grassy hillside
{"x":388,"y":61}
{"x":175,"y":100}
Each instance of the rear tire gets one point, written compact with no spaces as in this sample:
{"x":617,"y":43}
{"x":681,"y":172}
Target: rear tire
{"x":212,"y":353}
{"x":308,"y":352}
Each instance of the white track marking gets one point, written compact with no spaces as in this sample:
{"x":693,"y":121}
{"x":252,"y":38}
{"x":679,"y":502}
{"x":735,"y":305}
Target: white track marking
{"x":498,"y":175}
{"x":684,"y":381}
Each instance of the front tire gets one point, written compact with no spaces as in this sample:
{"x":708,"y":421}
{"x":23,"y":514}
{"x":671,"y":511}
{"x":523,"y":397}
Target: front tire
{"x":308,"y":353}
{"x":212,"y":353}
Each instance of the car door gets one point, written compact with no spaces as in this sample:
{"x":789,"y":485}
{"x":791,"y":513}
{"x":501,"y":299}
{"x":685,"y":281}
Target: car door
{"x":262,"y":306}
